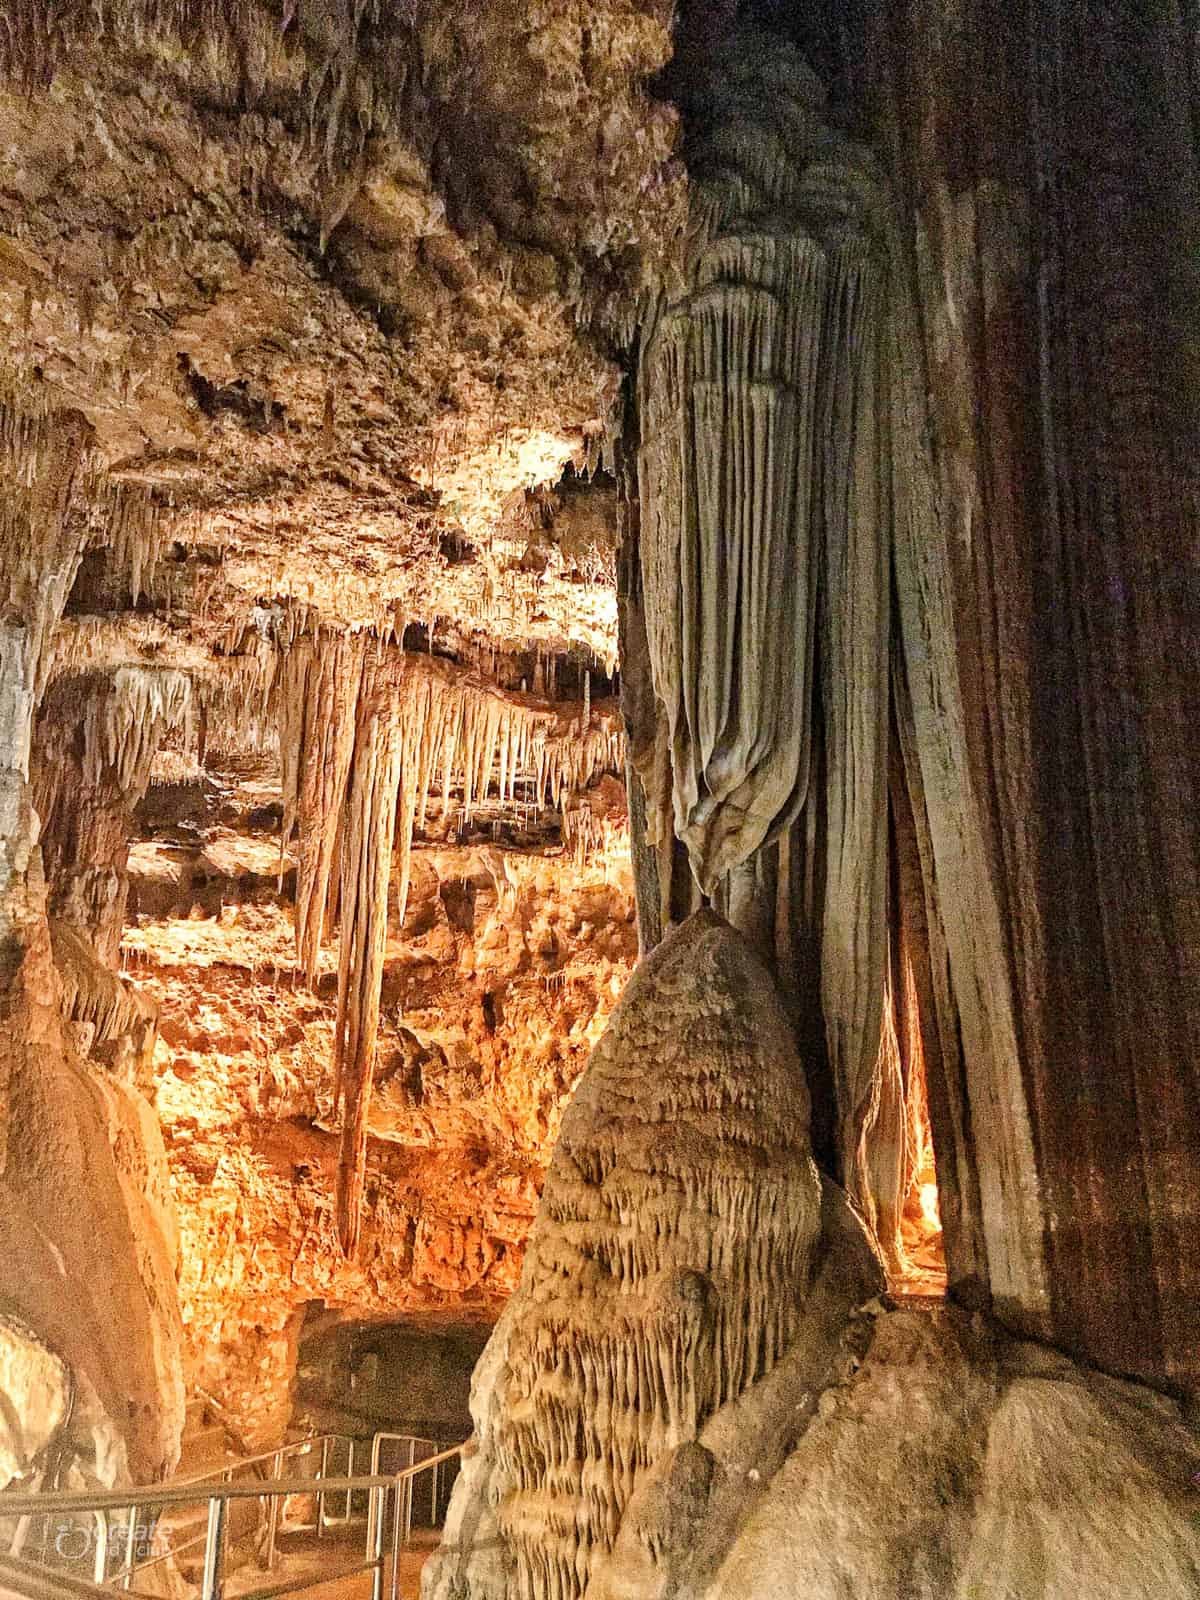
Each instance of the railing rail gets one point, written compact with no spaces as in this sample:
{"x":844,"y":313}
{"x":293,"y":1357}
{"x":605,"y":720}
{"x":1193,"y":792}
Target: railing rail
{"x":39,"y":1583}
{"x":382,"y":1558}
{"x":298,"y":1447}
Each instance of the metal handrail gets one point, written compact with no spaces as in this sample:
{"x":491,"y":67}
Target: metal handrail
{"x":297,"y":1447}
{"x":324,"y":1521}
{"x":39,"y":1583}
{"x":376,"y":1486}
{"x":181,"y":1494}
{"x":432,"y":1462}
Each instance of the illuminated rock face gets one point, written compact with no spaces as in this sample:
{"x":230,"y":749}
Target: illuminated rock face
{"x":87,"y":1238}
{"x":492,"y":1000}
{"x":924,"y":389}
{"x":666,"y":1274}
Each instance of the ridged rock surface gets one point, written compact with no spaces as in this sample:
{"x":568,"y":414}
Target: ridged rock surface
{"x":666,"y":1274}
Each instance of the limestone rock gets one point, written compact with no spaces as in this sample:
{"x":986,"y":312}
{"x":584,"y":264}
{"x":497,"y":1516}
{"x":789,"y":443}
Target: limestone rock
{"x":669,"y":1263}
{"x":948,"y":1462}
{"x":36,"y":1391}
{"x":687,"y":1509}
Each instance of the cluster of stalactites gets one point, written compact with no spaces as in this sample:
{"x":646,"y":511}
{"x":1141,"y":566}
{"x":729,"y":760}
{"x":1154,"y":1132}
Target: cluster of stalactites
{"x":348,"y":65}
{"x":97,"y":737}
{"x":461,"y":738}
{"x":367,"y":735}
{"x":57,"y":501}
{"x":123,"y":731}
{"x":95,"y":998}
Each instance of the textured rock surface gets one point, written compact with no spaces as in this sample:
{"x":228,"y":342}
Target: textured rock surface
{"x":1053,"y":235}
{"x":666,"y":1273}
{"x":686,"y":1512}
{"x":496,"y":984}
{"x":955,"y":1463}
{"x":87,"y":1261}
{"x":1028,"y":463}
{"x":773,"y":437}
{"x":308,"y":316}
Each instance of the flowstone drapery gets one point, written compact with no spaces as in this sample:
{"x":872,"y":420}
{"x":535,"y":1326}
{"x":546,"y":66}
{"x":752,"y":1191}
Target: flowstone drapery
{"x":667,"y":1271}
{"x":765,"y":541}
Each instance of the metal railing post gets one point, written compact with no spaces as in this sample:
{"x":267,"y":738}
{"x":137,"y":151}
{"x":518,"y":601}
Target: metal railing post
{"x":273,"y":1511}
{"x":377,"y":1501}
{"x":322,"y":1473}
{"x":350,"y":1474}
{"x":397,"y":1537}
{"x":100,"y":1566}
{"x":214,"y":1549}
{"x":372,"y":1510}
{"x":131,"y":1530}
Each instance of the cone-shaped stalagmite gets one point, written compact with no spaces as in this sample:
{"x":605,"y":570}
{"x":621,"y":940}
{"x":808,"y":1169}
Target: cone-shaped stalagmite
{"x":667,"y":1270}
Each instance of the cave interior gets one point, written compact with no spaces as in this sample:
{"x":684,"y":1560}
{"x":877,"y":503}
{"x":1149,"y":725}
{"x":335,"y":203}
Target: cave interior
{"x":599,"y":823}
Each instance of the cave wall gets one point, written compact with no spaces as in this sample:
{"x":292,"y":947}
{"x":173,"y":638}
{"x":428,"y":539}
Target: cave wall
{"x":87,"y":1238}
{"x":496,"y":980}
{"x":359,"y":1377}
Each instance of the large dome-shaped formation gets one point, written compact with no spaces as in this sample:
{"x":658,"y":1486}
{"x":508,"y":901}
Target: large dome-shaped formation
{"x":666,"y":1273}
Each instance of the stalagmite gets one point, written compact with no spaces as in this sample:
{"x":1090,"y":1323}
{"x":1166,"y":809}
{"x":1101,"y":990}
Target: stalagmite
{"x":667,"y":1271}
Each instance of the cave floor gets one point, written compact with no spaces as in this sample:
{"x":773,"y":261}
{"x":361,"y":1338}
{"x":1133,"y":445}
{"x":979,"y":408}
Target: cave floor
{"x":304,"y":1556}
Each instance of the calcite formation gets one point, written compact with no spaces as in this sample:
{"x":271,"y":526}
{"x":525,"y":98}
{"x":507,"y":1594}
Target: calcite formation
{"x":668,"y":1266}
{"x":96,"y":738}
{"x":365,"y":368}
{"x":366,"y":731}
{"x":890,"y":743}
{"x":86,"y":1237}
{"x":769,"y":443}
{"x":940,"y":1460}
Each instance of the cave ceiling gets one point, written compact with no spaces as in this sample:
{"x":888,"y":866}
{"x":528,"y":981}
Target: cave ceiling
{"x":337,"y":286}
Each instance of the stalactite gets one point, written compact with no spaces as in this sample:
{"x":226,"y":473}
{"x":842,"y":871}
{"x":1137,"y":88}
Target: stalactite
{"x":765,"y":542}
{"x":366,"y":860}
{"x":44,"y":457}
{"x":96,"y":998}
{"x":95,"y":741}
{"x":318,"y":697}
{"x":366,"y":732}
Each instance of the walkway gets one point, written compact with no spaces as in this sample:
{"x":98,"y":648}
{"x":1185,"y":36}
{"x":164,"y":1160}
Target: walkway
{"x":302,"y":1555}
